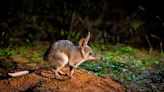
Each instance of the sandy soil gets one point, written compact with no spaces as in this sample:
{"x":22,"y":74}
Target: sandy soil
{"x":44,"y":82}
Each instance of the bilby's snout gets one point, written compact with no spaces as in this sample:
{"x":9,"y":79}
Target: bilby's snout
{"x":94,"y":57}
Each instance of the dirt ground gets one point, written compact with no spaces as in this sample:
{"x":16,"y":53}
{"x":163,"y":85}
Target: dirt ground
{"x":83,"y":82}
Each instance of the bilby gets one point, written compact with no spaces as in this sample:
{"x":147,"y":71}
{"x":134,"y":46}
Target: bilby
{"x":64,"y":52}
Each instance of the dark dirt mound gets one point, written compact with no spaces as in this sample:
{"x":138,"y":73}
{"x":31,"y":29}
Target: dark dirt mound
{"x":83,"y":82}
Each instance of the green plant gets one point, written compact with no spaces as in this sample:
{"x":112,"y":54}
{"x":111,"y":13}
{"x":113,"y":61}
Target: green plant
{"x":136,"y":74}
{"x":6,"y":52}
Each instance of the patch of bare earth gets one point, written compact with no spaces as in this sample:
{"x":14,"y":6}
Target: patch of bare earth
{"x":83,"y":82}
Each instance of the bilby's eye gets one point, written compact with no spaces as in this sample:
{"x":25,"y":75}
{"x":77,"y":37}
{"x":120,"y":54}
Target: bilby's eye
{"x":90,"y":53}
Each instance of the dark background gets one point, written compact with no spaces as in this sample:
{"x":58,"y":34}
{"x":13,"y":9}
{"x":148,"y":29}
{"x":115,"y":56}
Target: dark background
{"x":132,"y":22}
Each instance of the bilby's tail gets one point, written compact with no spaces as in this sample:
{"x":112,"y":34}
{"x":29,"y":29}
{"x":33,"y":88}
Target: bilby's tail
{"x":20,"y":73}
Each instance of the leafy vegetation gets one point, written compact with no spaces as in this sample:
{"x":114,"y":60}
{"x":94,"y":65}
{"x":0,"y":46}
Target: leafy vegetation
{"x":6,"y":52}
{"x":135,"y":74}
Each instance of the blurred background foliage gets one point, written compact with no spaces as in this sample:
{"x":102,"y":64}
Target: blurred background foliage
{"x":138,"y":22}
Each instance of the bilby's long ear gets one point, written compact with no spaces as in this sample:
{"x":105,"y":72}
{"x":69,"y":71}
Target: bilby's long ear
{"x":82,"y":42}
{"x":87,"y":38}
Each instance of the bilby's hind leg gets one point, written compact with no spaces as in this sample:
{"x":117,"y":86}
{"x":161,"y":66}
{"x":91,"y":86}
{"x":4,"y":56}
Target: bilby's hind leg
{"x":58,"y":61}
{"x":56,"y":73}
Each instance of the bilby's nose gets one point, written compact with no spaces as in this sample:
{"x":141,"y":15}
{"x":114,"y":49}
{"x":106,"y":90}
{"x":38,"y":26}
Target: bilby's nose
{"x":98,"y":58}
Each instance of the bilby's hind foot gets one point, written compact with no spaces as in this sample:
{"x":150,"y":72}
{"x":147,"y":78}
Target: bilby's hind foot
{"x":57,"y":76}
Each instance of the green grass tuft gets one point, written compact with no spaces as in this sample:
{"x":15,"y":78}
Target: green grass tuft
{"x":135,"y":73}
